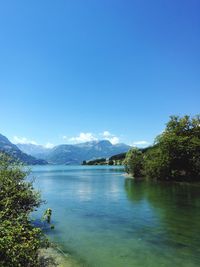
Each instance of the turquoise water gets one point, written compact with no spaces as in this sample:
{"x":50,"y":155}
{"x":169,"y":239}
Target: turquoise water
{"x":105,"y":219}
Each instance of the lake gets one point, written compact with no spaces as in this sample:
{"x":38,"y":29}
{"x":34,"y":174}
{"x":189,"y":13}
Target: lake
{"x":102,"y":218}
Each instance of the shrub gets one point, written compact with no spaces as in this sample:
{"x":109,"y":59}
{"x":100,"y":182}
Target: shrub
{"x":19,"y":239}
{"x":134,"y":162}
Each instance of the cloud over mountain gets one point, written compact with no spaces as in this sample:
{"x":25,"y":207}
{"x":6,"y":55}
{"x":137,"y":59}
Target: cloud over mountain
{"x":89,"y":137}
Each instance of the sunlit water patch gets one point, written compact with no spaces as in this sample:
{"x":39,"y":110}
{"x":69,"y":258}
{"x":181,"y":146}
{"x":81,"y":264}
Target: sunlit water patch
{"x":105,"y":219}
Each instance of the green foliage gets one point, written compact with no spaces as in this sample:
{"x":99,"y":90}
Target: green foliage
{"x":19,"y":239}
{"x":134,"y":162}
{"x":175,"y":154}
{"x":101,"y":161}
{"x":156,"y":164}
{"x":47,"y":215}
{"x":120,"y":157}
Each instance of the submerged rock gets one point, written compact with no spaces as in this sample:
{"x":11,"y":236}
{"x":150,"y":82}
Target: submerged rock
{"x":51,"y":257}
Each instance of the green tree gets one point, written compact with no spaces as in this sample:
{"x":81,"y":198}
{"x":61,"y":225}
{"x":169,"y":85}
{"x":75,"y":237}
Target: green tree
{"x":156,"y":164}
{"x":110,"y":162}
{"x":134,"y":162}
{"x":19,"y":239}
{"x":176,"y":153}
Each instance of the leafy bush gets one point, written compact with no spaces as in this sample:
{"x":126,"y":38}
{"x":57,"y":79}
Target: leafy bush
{"x":19,"y":239}
{"x":134,"y":162}
{"x":175,"y":154}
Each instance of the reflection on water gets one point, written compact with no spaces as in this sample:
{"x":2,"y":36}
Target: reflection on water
{"x":178,"y":208}
{"x":105,"y":219}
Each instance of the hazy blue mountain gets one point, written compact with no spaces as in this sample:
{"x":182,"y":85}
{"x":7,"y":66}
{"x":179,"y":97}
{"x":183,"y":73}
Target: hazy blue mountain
{"x":75,"y":154}
{"x":37,"y":151}
{"x":12,"y":150}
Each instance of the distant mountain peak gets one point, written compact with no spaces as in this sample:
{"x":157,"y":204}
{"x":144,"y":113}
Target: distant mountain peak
{"x":67,"y":153}
{"x":77,"y":153}
{"x":9,"y":148}
{"x":105,"y":142}
{"x":4,"y":139}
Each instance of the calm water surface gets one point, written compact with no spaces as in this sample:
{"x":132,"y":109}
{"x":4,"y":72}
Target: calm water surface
{"x":105,"y":219}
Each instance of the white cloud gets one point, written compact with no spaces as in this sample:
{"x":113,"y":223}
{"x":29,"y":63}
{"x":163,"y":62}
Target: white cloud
{"x":82,"y":137}
{"x":23,"y":140}
{"x":114,"y":140}
{"x":65,"y":137}
{"x":110,"y":137}
{"x":106,"y":134}
{"x":49,"y":145}
{"x":140,"y":143}
{"x":88,"y":137}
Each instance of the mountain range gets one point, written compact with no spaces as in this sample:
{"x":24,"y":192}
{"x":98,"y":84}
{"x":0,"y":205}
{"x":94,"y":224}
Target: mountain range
{"x":7,"y":147}
{"x":74,"y":154}
{"x":61,"y":154}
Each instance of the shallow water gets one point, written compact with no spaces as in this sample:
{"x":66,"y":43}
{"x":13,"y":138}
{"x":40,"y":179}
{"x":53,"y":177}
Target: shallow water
{"x":105,"y":219}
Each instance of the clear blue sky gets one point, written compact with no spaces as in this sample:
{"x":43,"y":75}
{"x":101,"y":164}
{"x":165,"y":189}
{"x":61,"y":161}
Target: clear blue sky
{"x":88,"y":66}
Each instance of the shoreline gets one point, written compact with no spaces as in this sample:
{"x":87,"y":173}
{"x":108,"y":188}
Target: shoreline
{"x":55,"y":257}
{"x":128,"y":175}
